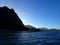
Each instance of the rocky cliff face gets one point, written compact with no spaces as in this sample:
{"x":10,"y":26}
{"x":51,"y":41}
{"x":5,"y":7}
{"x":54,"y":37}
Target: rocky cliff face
{"x":9,"y":19}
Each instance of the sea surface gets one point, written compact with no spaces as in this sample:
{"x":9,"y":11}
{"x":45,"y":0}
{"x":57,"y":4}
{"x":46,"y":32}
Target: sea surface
{"x":30,"y":38}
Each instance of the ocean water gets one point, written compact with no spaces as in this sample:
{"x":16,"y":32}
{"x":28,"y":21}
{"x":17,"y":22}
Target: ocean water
{"x":30,"y":38}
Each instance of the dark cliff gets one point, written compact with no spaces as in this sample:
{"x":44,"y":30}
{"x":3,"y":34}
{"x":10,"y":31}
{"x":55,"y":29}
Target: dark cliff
{"x":10,"y":20}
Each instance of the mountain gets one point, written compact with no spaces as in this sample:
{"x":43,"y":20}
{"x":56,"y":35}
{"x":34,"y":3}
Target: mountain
{"x":44,"y":28}
{"x":9,"y":20}
{"x":32,"y":28}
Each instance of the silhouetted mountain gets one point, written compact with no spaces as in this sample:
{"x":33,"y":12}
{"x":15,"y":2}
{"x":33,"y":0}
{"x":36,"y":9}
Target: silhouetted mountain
{"x":53,"y":29}
{"x":10,"y":20}
{"x":31,"y":28}
{"x":43,"y":28}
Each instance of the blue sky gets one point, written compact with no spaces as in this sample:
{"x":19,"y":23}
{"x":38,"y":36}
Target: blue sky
{"x":38,"y":13}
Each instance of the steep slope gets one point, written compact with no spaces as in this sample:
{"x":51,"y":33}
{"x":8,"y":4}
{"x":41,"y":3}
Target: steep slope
{"x":10,"y":20}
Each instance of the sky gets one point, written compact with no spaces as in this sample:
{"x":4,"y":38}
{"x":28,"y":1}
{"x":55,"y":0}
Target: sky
{"x":38,"y":13}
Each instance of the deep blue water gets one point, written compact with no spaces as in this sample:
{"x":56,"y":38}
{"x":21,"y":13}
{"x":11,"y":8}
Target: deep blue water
{"x":30,"y":38}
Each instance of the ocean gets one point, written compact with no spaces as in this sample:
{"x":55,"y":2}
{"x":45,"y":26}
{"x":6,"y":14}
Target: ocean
{"x":30,"y":38}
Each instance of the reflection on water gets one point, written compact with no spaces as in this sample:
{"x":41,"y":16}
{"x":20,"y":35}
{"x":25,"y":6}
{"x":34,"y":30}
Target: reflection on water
{"x":30,"y":38}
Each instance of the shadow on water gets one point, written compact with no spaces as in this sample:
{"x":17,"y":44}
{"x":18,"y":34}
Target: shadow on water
{"x":8,"y":38}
